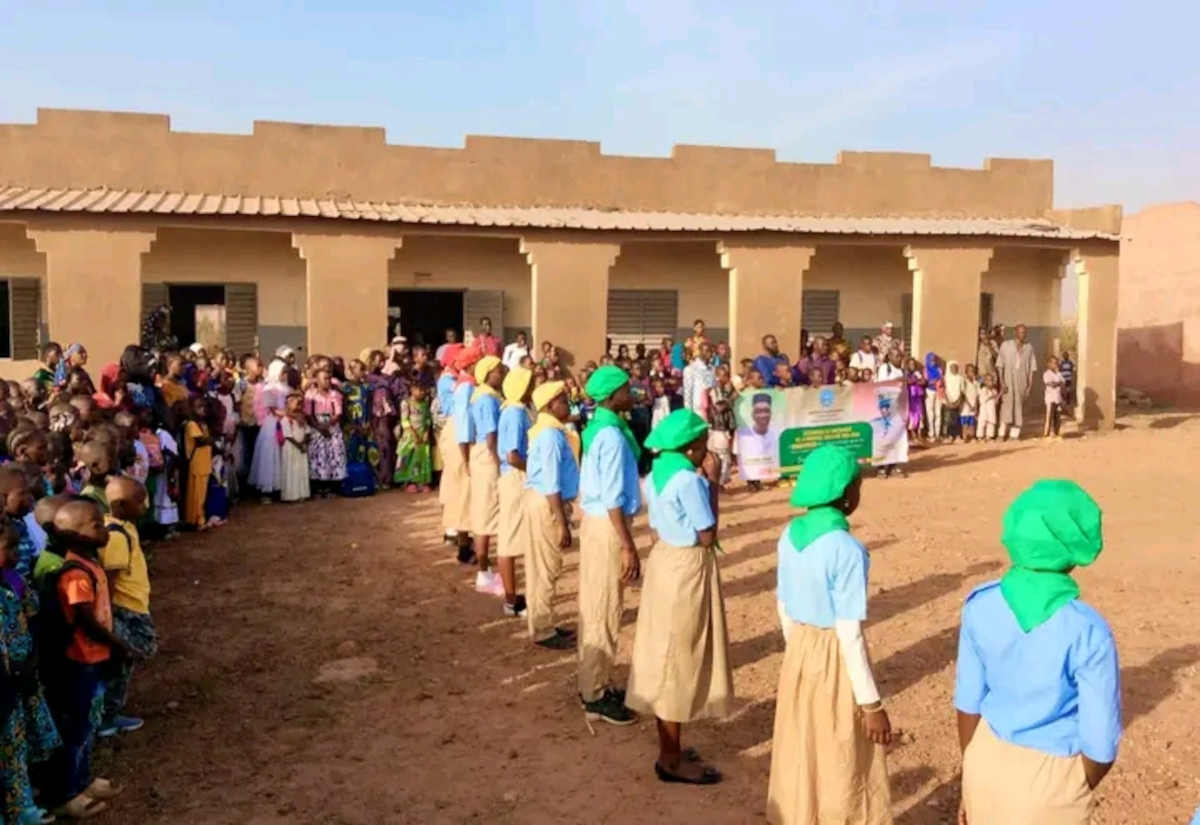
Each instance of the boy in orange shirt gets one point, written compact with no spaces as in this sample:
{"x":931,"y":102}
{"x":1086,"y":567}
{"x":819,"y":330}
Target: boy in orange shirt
{"x":77,"y":694}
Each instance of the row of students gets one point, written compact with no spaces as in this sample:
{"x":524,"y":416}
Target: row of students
{"x":1062,"y":722}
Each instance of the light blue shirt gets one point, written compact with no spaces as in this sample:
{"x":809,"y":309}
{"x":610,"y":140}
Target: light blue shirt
{"x":36,"y":534}
{"x":512,"y":435}
{"x":485,"y":417}
{"x":445,"y":394}
{"x":824,"y":582}
{"x":1055,"y":689}
{"x":609,"y":476}
{"x":551,"y":466}
{"x":1196,"y":818}
{"x":464,"y":429}
{"x":681,"y":510}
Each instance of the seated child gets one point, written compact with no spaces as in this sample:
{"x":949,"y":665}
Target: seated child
{"x":129,"y":586}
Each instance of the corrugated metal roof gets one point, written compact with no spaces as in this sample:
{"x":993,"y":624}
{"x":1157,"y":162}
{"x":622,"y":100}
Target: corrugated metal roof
{"x":25,"y":199}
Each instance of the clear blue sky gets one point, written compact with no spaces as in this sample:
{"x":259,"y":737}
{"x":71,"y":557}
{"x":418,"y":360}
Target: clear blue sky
{"x":1107,"y":89}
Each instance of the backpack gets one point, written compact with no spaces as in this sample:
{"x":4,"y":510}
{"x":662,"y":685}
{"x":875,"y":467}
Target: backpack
{"x":359,"y":481}
{"x":54,"y":630}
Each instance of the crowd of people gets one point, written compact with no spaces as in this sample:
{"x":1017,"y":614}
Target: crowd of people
{"x":520,"y":452}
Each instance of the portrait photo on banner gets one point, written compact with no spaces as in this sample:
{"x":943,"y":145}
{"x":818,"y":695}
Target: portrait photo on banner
{"x":776,"y":429}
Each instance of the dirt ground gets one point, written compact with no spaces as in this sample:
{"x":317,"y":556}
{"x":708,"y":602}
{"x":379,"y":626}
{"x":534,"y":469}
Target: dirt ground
{"x":330,"y":663}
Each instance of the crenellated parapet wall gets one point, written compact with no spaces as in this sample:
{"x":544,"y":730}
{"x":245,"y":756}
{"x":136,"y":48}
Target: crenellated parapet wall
{"x":83,"y":149}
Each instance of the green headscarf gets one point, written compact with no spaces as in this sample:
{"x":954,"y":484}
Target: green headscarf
{"x":824,"y":477}
{"x":677,"y":430}
{"x":600,"y":387}
{"x":1050,"y":528}
{"x":604,"y":382}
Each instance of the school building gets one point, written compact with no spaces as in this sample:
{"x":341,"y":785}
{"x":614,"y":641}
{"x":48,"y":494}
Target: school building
{"x":327,"y":237}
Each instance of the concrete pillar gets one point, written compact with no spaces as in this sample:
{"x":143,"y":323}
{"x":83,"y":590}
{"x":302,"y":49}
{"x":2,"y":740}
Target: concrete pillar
{"x":570,"y":294}
{"x":347,"y":291}
{"x":946,"y":289}
{"x":766,"y":284}
{"x":93,"y":287}
{"x":1096,"y":361}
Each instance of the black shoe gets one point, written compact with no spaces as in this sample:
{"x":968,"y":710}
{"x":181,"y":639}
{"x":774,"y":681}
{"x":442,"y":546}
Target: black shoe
{"x":608,"y":708}
{"x":466,"y":555}
{"x":517,"y":609}
{"x":557,"y":642}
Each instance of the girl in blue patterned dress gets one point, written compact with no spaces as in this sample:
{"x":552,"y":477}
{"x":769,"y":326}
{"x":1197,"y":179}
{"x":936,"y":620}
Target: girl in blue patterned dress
{"x":28,"y":734}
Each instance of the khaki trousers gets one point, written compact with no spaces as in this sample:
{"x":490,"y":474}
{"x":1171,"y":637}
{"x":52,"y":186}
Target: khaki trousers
{"x":543,"y":564}
{"x":601,"y":601}
{"x":513,"y":539}
{"x":455,"y":490}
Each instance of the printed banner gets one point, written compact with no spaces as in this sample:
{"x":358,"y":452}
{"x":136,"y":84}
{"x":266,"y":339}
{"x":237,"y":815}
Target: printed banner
{"x":778,"y":428}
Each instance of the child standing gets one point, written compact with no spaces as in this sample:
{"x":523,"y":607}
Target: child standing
{"x":989,"y":400}
{"x":952,"y":406}
{"x":197,"y":451}
{"x":129,"y":586}
{"x":294,"y":481}
{"x":76,"y":695}
{"x":27,"y":731}
{"x":414,"y":455}
{"x":327,"y":444}
{"x":1054,"y":383}
{"x":723,"y":423}
{"x":969,"y":414}
{"x":914,"y":379}
{"x":662,"y":402}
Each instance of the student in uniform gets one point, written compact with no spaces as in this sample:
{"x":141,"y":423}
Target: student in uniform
{"x":827,"y":756}
{"x":458,"y":501}
{"x":610,"y":497}
{"x":1038,"y":685}
{"x":454,"y":472}
{"x":512,"y":443}
{"x":551,"y":484}
{"x":681,"y":670}
{"x":484,"y":469}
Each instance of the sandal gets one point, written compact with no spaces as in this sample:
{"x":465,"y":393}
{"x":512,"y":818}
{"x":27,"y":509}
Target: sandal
{"x":82,"y":807}
{"x":103,"y":790}
{"x":708,"y":776}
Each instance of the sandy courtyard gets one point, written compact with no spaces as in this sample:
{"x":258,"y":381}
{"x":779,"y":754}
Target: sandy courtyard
{"x":330,"y":663}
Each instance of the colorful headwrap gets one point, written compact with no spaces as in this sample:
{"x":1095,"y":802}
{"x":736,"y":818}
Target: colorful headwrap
{"x":673,"y":433}
{"x":826,"y":474}
{"x":516,"y":384}
{"x":1049,"y":529}
{"x":450,"y":355}
{"x":606,"y":381}
{"x":545,"y":393}
{"x":484,"y":367}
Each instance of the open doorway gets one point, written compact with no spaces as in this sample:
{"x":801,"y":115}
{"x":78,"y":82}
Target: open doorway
{"x":424,"y":315}
{"x":197,"y":314}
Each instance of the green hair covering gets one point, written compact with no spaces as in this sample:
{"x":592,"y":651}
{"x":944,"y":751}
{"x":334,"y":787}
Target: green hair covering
{"x":604,"y":382}
{"x":1049,"y":529}
{"x":677,"y":430}
{"x":600,"y":387}
{"x":824,"y":477}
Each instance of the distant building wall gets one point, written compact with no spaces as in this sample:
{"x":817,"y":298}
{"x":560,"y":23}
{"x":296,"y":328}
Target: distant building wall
{"x":1158,"y":340}
{"x":79,"y":149}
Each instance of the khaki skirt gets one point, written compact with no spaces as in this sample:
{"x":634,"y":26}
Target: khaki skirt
{"x":824,"y":769}
{"x":1004,"y":783}
{"x":513,"y":538}
{"x":485,"y":495}
{"x":454,"y":490}
{"x":680,"y":670}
